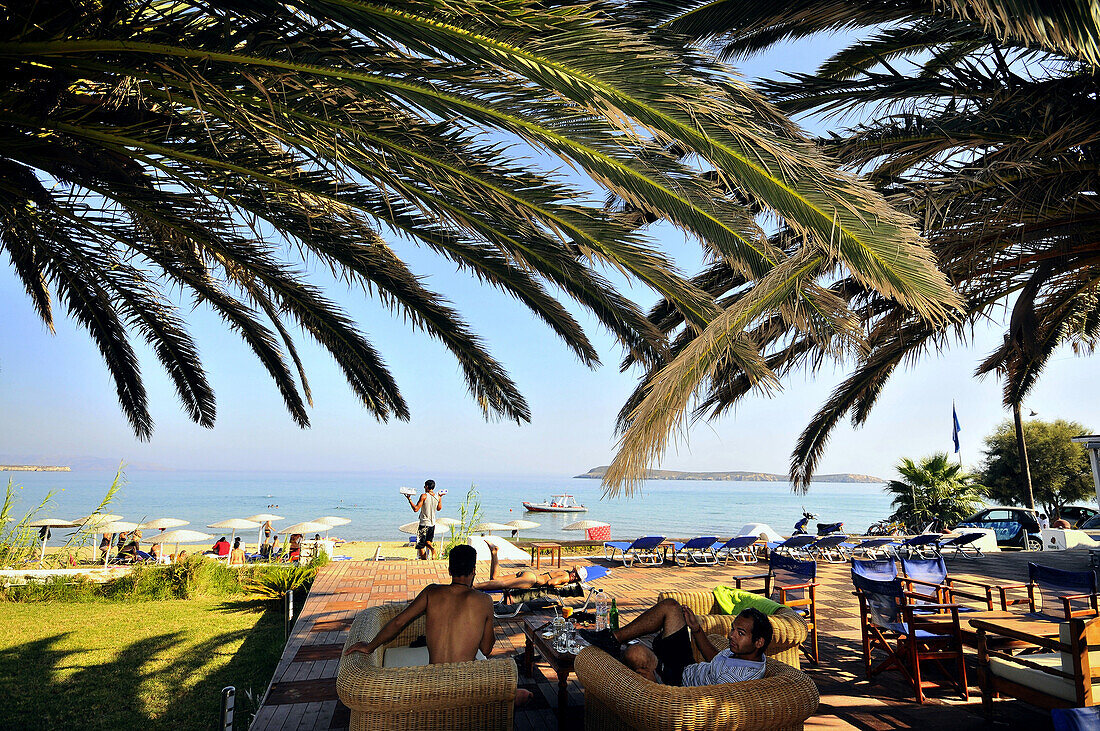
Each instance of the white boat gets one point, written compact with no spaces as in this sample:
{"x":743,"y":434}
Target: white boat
{"x":556,"y":504}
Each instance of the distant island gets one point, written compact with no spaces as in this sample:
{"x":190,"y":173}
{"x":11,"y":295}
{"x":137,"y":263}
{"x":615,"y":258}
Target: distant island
{"x":33,"y":468}
{"x":597,"y":473}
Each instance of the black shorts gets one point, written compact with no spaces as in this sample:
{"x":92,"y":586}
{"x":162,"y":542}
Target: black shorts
{"x":425,"y":534}
{"x":674,"y":653}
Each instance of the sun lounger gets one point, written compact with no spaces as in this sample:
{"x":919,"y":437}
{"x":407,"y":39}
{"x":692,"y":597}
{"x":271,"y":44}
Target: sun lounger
{"x":926,"y":545}
{"x":965,"y":545}
{"x":793,"y":546}
{"x":644,"y":550}
{"x":875,"y":547}
{"x":697,"y":551}
{"x":829,"y":548}
{"x":739,"y":548}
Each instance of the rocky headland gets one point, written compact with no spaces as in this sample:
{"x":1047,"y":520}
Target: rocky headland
{"x":597,"y":473}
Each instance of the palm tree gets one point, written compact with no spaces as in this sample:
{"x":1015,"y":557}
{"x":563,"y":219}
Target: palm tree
{"x":990,"y":143}
{"x":933,"y":490}
{"x":218,"y":150}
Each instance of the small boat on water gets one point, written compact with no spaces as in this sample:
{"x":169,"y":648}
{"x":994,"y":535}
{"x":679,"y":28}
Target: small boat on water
{"x":556,"y":504}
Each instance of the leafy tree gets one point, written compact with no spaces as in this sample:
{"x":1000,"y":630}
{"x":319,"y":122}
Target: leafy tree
{"x":981,"y":123}
{"x":1060,"y":469}
{"x":219,"y":150}
{"x":933,"y":490}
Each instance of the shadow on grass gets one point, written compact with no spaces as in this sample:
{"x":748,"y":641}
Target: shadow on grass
{"x":44,"y":687}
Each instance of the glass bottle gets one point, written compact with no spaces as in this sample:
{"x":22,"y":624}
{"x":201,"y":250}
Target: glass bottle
{"x":613,"y":616}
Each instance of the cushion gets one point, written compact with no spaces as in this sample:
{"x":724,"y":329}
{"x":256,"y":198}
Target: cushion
{"x":1037,"y":679}
{"x":734,"y":601}
{"x":407,"y":657}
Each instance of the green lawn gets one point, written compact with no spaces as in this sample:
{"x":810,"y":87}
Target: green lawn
{"x":133,"y":665}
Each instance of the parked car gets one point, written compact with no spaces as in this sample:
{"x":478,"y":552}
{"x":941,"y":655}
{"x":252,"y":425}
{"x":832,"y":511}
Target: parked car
{"x":1092,"y":527}
{"x":1017,"y":527}
{"x":1076,"y":515}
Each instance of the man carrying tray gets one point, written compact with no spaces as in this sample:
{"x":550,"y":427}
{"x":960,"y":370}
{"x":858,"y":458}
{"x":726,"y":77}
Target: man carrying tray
{"x":428,"y":503}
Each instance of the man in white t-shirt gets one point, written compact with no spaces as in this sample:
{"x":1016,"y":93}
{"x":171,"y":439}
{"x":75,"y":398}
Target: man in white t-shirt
{"x":672,"y":661}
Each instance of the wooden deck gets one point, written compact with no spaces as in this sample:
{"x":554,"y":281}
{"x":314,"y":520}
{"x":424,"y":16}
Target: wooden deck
{"x":302,"y":693}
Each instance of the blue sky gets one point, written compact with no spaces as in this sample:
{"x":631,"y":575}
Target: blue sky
{"x":59,"y":402}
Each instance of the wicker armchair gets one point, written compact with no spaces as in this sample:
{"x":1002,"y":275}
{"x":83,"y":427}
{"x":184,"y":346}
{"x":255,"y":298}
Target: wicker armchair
{"x":617,"y":698}
{"x":788,"y":629}
{"x":454,"y":696}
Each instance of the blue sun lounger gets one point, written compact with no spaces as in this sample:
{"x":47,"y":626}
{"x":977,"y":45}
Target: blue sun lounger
{"x":926,"y":545}
{"x":829,"y":548}
{"x":964,"y":545}
{"x":698,"y":551}
{"x":795,"y":546}
{"x":644,"y":550}
{"x":738,"y":548}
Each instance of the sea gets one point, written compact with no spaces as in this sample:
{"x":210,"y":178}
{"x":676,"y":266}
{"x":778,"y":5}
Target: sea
{"x":371,"y":501}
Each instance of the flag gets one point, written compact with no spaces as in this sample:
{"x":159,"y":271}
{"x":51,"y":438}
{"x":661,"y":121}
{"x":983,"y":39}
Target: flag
{"x":957,"y":429}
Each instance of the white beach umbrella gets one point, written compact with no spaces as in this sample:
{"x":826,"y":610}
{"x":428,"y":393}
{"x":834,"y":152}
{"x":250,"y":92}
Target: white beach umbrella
{"x":411,"y":528}
{"x":163,"y":523}
{"x":332,"y":521}
{"x":489,"y":527}
{"x":262,"y":518}
{"x":447,"y":521}
{"x":518,"y":525}
{"x":181,"y":536}
{"x":309,"y":526}
{"x":233,"y":524}
{"x":117,"y":526}
{"x":49,"y":523}
{"x":94,"y":524}
{"x":585,"y":525}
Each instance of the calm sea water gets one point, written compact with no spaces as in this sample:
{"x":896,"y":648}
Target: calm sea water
{"x":372,"y":503}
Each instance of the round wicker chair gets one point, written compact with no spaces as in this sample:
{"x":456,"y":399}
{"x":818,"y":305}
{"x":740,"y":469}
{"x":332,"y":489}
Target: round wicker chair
{"x":449,"y":697}
{"x":617,"y":698}
{"x":788,"y":629}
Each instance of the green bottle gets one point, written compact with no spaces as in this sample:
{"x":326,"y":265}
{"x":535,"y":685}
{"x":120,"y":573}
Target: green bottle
{"x":613,"y":616}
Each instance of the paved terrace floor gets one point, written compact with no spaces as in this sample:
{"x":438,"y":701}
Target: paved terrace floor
{"x":302,"y":694}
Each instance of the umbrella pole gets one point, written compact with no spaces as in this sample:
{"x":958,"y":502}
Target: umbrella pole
{"x":43,"y":556}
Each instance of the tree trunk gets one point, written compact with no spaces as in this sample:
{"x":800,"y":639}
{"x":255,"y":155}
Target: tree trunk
{"x":1021,"y":449}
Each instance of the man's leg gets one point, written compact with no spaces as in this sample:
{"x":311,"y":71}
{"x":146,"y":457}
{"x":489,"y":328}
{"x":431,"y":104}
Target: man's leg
{"x":526,"y":580}
{"x":666,"y":617}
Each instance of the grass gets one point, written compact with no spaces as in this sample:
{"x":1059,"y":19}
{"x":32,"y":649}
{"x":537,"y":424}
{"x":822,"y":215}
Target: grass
{"x":134,"y":665}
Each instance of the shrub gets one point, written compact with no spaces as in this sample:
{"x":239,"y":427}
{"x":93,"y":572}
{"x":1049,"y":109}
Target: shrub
{"x":274,"y":582}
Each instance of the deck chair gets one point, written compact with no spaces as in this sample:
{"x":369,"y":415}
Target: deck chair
{"x":829,"y":548}
{"x":644,"y":550}
{"x":890,"y":624}
{"x":793,"y":546}
{"x":698,"y":551}
{"x":928,"y":577}
{"x":964,"y":545}
{"x":792,"y":582}
{"x":739,"y":548}
{"x":880,"y":569}
{"x":1055,"y":593}
{"x":874,"y":547}
{"x":926,"y":545}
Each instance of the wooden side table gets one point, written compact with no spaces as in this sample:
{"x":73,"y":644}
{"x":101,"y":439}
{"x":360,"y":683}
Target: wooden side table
{"x":553,"y":551}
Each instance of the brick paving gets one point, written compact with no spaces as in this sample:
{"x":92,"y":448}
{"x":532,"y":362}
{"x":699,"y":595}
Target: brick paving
{"x":302,"y":694}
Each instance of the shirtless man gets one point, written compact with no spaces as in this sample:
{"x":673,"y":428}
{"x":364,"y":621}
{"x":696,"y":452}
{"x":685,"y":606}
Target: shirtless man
{"x":526,"y":579}
{"x":459,"y":618}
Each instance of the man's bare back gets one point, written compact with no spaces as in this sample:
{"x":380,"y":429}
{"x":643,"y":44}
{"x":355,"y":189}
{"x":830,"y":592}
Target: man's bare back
{"x":459,"y":623}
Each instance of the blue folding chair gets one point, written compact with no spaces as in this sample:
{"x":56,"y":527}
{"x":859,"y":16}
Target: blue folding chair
{"x":1056,"y":594}
{"x":891,"y":624}
{"x":880,"y":569}
{"x":792,"y":582}
{"x":928,"y":577}
{"x":739,"y":548}
{"x":698,"y":551}
{"x":644,"y":550}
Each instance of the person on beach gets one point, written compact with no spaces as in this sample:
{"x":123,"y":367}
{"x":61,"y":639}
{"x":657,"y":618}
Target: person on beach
{"x":525,"y":579}
{"x":105,"y":546}
{"x":679,"y":633}
{"x":458,"y":618}
{"x":428,"y":503}
{"x":236,"y":556}
{"x":220,"y":547}
{"x":274,"y":551}
{"x":267,"y":531}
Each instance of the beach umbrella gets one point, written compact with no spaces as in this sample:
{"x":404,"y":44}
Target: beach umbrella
{"x":162,"y":523}
{"x":584,"y":524}
{"x":518,"y":525}
{"x":181,"y":536}
{"x":93,"y":524}
{"x":489,"y":527}
{"x":310,"y":526}
{"x":49,"y":523}
{"x":331,"y":521}
{"x":117,"y":526}
{"x":447,"y":521}
{"x":262,"y":518}
{"x":233,"y":524}
{"x":411,"y":528}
